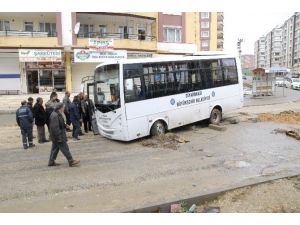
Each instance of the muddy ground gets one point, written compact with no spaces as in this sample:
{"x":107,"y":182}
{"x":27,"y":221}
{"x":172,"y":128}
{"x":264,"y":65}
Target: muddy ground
{"x":278,"y":196}
{"x":189,"y":161}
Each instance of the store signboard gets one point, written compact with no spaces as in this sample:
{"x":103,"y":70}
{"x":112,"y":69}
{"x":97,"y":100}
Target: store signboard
{"x":86,"y":56}
{"x":40,"y":55}
{"x":139,"y":55}
{"x":101,"y":44}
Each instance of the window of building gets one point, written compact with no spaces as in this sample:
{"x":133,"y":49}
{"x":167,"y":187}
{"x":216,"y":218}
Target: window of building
{"x":204,"y":24}
{"x":204,"y":33}
{"x":204,"y":15}
{"x":142,"y":34}
{"x":204,"y":43}
{"x":28,"y":26}
{"x":4,"y":25}
{"x":102,"y":31}
{"x":86,"y":31}
{"x":50,"y":28}
{"x":172,"y":35}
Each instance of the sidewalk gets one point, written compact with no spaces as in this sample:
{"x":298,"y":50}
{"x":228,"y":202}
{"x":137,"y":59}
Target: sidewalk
{"x":10,"y":103}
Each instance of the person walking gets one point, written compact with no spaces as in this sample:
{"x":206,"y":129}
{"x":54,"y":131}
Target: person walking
{"x":89,"y":110}
{"x":40,"y":118}
{"x":75,"y":117}
{"x":24,"y":119}
{"x":67,"y":102}
{"x":59,"y":137}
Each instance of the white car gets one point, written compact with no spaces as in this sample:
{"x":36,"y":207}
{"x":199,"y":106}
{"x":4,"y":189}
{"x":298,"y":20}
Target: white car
{"x":279,"y":81}
{"x":293,"y":83}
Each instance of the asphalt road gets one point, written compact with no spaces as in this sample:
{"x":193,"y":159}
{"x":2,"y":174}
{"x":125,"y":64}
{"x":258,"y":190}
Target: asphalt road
{"x":116,"y":176}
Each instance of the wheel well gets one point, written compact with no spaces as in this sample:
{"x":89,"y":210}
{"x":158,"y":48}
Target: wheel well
{"x":218,"y":107}
{"x":164,"y":122}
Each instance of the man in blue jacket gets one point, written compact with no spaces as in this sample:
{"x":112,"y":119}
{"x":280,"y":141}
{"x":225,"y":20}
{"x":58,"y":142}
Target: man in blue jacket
{"x":75,"y":117}
{"x":24,"y":119}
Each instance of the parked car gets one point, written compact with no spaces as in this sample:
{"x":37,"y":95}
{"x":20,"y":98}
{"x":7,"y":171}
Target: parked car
{"x":293,"y":83}
{"x":279,"y":81}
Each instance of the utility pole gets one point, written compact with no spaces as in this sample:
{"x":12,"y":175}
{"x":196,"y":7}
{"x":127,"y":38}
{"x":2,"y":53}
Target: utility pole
{"x":239,"y":47}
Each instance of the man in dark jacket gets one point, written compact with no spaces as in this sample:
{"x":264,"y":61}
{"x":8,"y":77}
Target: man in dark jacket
{"x":59,"y":137}
{"x":30,"y":104}
{"x":67,"y":102}
{"x":89,"y":110}
{"x":75,"y":117}
{"x":25,"y":121}
{"x":40,"y":119}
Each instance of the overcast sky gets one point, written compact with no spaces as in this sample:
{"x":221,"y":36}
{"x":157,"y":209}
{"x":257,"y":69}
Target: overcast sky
{"x":249,"y":26}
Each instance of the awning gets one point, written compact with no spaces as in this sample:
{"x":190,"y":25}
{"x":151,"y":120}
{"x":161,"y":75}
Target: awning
{"x":278,"y":70}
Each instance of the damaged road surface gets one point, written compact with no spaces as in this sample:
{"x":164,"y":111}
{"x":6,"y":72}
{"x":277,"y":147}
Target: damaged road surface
{"x":117,"y":177}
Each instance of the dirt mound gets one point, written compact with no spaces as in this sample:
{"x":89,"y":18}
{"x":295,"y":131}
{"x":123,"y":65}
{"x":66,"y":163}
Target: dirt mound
{"x":292,"y":133}
{"x":289,"y":117}
{"x":169,"y":141}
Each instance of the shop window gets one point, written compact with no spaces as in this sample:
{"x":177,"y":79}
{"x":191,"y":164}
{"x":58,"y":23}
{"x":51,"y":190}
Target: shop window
{"x":46,"y":78}
{"x":59,"y":80}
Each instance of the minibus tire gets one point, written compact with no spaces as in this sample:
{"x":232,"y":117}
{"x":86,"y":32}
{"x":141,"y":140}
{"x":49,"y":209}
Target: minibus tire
{"x":158,"y":128}
{"x":215,"y":116}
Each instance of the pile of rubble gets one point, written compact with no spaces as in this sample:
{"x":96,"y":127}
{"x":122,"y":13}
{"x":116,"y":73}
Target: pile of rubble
{"x":289,"y":117}
{"x":168,"y":140}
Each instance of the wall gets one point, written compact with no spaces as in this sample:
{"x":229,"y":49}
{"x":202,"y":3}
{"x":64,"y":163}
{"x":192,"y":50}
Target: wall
{"x":213,"y":31}
{"x":9,"y":71}
{"x":192,"y":28}
{"x":80,"y":70}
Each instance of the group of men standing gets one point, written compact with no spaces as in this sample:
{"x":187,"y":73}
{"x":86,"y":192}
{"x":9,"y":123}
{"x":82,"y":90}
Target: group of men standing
{"x":58,"y":116}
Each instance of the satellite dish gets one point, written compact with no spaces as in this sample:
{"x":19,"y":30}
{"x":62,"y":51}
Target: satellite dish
{"x":76,"y":28}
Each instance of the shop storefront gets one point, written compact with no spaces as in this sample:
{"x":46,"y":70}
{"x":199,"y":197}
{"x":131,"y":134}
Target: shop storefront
{"x":42,"y":70}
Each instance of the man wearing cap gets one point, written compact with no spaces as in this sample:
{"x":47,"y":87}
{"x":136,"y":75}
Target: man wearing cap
{"x":59,"y":137}
{"x":24,"y":119}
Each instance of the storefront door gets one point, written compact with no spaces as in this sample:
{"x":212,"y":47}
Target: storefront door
{"x":33,"y":81}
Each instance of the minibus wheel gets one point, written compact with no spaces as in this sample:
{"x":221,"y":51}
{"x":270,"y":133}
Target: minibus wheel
{"x":215,"y":116}
{"x":158,"y":128}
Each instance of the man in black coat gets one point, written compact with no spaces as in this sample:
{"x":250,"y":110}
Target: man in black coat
{"x":88,"y":112}
{"x":40,"y":119}
{"x":24,"y":119}
{"x":59,"y":137}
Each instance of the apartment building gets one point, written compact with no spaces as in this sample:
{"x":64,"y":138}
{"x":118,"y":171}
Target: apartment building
{"x":282,"y":46}
{"x":296,"y":49}
{"x":260,"y":53}
{"x":211,"y":31}
{"x":40,"y":52}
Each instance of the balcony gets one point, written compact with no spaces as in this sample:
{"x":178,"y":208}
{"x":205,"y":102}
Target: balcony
{"x":220,"y":35}
{"x":129,"y":31}
{"x":220,"y":26}
{"x":28,"y":29}
{"x":16,"y":33}
{"x":220,"y":17}
{"x":116,"y":36}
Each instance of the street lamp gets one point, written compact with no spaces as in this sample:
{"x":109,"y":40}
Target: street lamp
{"x":239,"y":46}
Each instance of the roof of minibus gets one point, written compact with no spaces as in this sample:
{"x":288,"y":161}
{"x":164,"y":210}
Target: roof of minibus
{"x":166,"y":59}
